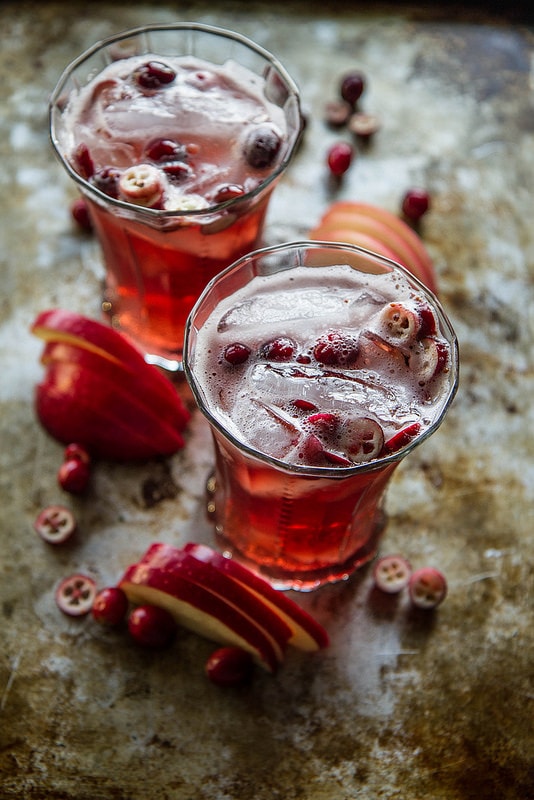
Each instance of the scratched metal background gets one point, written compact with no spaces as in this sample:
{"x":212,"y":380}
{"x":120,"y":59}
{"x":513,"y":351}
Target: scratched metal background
{"x":402,"y":706}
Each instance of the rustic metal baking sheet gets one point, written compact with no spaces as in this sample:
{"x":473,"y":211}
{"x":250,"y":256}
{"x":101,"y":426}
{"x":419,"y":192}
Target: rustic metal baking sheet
{"x":401,"y":706}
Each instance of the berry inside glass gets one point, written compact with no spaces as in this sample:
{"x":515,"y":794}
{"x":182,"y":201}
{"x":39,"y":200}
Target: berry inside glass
{"x":318,"y":367}
{"x":176,"y":136}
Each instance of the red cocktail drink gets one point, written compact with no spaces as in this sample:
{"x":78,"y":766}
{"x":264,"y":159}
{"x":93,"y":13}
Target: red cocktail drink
{"x":319,"y":367}
{"x":177,"y":136}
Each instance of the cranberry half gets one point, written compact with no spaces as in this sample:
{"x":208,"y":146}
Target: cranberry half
{"x":55,"y":524}
{"x":75,"y":595}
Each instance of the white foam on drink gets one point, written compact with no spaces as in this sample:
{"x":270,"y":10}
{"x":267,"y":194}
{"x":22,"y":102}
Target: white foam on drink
{"x":256,"y":400}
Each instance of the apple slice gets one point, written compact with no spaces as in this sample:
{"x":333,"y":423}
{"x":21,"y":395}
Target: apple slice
{"x":335,"y":234}
{"x":307,"y":633}
{"x":75,"y":404}
{"x":60,"y":326}
{"x":392,"y":231}
{"x":167,"y":406}
{"x":159,"y":579}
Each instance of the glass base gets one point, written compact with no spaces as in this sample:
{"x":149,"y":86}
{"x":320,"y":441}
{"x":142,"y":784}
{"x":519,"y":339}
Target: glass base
{"x":307,"y":580}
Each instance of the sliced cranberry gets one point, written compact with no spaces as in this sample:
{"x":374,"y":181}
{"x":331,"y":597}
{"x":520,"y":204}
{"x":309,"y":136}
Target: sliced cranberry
{"x":339,"y":158}
{"x":73,"y":476}
{"x":337,"y":113}
{"x":280,"y":349}
{"x":311,"y":450}
{"x":55,"y":524}
{"x":227,"y":191}
{"x":364,"y":125}
{"x":337,"y":459}
{"x":107,"y":180}
{"x":427,"y":587}
{"x":80,"y":213}
{"x":362,"y":439}
{"x":83,"y":161}
{"x":229,"y":666}
{"x":336,"y":349}
{"x":141,"y":184}
{"x":402,"y":437}
{"x":154,"y":75}
{"x":392,"y":573}
{"x":261,"y":146}
{"x":75,"y":595}
{"x":161,"y":150}
{"x":77,"y":452}
{"x":236,"y":353}
{"x":110,"y":606}
{"x":428,"y":358}
{"x":415,"y":203}
{"x":352,"y":87}
{"x":428,"y":323}
{"x":152,"y":626}
{"x":177,"y":171}
{"x":400,"y":322}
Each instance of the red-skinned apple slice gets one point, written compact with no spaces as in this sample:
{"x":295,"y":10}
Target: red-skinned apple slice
{"x":167,"y":406}
{"x":222,"y":586}
{"x":352,"y":215}
{"x":69,"y":328}
{"x":74,"y":403}
{"x":154,"y":580}
{"x":340,"y":234}
{"x":307,"y":633}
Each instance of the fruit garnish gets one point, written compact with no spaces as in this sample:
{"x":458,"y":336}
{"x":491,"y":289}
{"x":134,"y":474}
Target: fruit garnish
{"x":75,"y":595}
{"x":99,"y":392}
{"x":352,"y":86}
{"x":391,"y":574}
{"x":362,"y":439}
{"x":229,"y":666}
{"x":106,"y":180}
{"x":415,"y":203}
{"x":80,"y":214}
{"x":379,"y":230}
{"x":337,"y":113}
{"x":55,"y":524}
{"x":339,"y":158}
{"x":428,"y":358}
{"x":401,"y":323}
{"x":73,"y":476}
{"x":110,"y":606}
{"x":83,"y":161}
{"x":306,"y":633}
{"x":141,"y":185}
{"x":336,"y":348}
{"x":77,"y":452}
{"x":363,"y":124}
{"x":152,"y":626}
{"x":236,"y":353}
{"x":427,"y":587}
{"x":262,"y":145}
{"x":402,"y":437}
{"x":162,"y":150}
{"x":280,"y":349}
{"x":154,"y":75}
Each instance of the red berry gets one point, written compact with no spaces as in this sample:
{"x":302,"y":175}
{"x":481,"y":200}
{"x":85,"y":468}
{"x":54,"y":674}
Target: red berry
{"x":154,"y":75}
{"x":80,"y":214}
{"x":165,"y":150}
{"x":304,"y":405}
{"x":392,"y":574}
{"x":55,"y":524}
{"x":337,"y":113}
{"x":362,"y":439}
{"x":83,"y":162}
{"x":106,"y":180}
{"x":73,"y":476}
{"x":141,"y":185}
{"x":77,"y":452}
{"x":262,"y":146}
{"x":352,"y":87}
{"x":229,"y":666}
{"x":428,"y":358}
{"x":402,"y":437}
{"x":363,"y":125}
{"x":236,"y":353}
{"x":401,"y":323}
{"x":427,"y":587}
{"x":339,"y":158}
{"x":280,"y":349}
{"x":415,"y":204}
{"x":151,"y":626}
{"x":227,"y":191}
{"x":336,"y":349}
{"x":75,"y":595}
{"x":110,"y":606}
{"x":323,"y":422}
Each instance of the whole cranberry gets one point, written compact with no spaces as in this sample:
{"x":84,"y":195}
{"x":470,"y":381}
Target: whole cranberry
{"x":415,"y":203}
{"x":162,"y":150}
{"x":339,"y":158}
{"x":154,"y":75}
{"x":151,"y":626}
{"x":73,"y":476}
{"x":236,"y":353}
{"x":280,"y":349}
{"x":107,"y":180}
{"x":77,"y":452}
{"x":335,"y":348}
{"x":80,"y":214}
{"x":110,"y":606}
{"x":352,"y":87}
{"x":261,"y":146}
{"x":229,"y":666}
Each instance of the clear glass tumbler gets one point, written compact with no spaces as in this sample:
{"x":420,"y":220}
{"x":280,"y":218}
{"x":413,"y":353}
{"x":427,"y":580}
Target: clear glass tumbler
{"x":159,"y":258}
{"x":297,"y":524}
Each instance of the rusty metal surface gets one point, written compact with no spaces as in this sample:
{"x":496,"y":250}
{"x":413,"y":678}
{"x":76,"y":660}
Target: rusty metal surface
{"x":401,"y":705}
